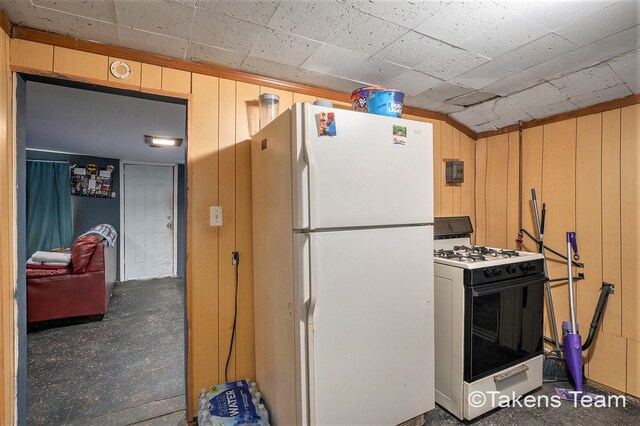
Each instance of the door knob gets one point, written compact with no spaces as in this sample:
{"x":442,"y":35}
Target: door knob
{"x":169,"y":225}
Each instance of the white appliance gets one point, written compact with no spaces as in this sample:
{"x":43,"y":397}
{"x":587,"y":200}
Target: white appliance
{"x":489,"y":321}
{"x":343,"y":268}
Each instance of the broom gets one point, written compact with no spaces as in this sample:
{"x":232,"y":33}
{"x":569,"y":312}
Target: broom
{"x":554,"y":367}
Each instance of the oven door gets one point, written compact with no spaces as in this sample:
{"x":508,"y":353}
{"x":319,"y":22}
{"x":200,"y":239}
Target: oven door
{"x":503,"y":325}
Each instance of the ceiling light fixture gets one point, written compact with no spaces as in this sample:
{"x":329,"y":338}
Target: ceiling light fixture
{"x":162,"y":142}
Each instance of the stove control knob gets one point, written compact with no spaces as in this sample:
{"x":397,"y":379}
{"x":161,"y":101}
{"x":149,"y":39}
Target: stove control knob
{"x":511,"y":269}
{"x":524,"y":267}
{"x":488,"y":273}
{"x":497,"y":272}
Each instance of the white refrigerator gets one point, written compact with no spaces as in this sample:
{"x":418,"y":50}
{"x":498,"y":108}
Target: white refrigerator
{"x":343,"y":267}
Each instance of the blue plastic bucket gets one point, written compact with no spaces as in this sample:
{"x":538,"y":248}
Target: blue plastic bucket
{"x":359,"y":97}
{"x":386,"y":102}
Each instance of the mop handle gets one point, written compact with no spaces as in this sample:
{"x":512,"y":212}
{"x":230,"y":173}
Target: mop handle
{"x":571,"y":244}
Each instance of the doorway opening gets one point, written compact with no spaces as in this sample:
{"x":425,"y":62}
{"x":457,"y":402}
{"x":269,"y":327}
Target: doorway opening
{"x":104,"y":331}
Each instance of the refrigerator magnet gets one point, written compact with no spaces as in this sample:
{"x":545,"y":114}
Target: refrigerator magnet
{"x":399,"y":141}
{"x":399,"y":133}
{"x":327,"y":124}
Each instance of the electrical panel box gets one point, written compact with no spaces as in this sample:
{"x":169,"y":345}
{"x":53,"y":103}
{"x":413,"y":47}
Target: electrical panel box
{"x":455,"y":171}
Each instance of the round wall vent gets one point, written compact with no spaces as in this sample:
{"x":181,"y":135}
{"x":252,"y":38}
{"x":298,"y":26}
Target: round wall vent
{"x":120,"y":69}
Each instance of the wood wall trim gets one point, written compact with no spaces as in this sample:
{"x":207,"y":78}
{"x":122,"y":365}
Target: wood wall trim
{"x":593,"y":109}
{"x":5,"y":23}
{"x":31,"y":34}
{"x":98,"y":82}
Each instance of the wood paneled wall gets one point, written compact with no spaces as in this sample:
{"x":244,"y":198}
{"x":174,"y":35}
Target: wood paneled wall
{"x":222,"y":116}
{"x":451,"y":144}
{"x":7,"y":237}
{"x":585,"y":169}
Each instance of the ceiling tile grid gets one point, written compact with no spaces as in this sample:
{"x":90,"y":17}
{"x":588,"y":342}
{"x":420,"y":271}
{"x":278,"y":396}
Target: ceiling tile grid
{"x":487,"y":63}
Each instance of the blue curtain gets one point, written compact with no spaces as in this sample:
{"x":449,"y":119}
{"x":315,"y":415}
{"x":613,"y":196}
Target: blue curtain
{"x":48,"y":206}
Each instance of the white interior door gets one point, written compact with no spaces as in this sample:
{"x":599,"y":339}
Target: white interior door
{"x":148,"y":221}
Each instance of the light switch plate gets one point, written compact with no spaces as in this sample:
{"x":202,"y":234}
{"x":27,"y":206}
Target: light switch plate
{"x":215,"y":216}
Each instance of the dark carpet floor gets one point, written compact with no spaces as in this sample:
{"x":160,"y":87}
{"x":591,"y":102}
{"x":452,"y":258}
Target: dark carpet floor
{"x":126,"y":369}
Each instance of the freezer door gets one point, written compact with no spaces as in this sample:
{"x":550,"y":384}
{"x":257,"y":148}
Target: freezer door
{"x":370,"y":326}
{"x":375,"y":171}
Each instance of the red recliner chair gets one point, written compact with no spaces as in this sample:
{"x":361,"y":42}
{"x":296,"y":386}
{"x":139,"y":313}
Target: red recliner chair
{"x":82,"y":289}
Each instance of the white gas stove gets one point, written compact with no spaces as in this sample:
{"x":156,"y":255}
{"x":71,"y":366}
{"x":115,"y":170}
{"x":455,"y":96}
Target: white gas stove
{"x":460,"y":253}
{"x":489,"y":312}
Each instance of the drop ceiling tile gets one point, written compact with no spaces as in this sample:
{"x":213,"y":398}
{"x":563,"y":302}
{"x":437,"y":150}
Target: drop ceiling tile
{"x":540,"y":50}
{"x":508,"y":120}
{"x":508,"y":34}
{"x":513,"y":83}
{"x":285,"y":48}
{"x":447,"y":62}
{"x":314,"y":20}
{"x":409,"y":50}
{"x":366,"y":34}
{"x":376,"y":71}
{"x":334,"y":60}
{"x":154,"y":43}
{"x":487,"y":127}
{"x":446,"y":91}
{"x":505,"y":107}
{"x":588,"y":55}
{"x":610,"y":20}
{"x":537,"y":96}
{"x":517,"y":60}
{"x":351,"y":65}
{"x":634,"y":86}
{"x":412,"y":82}
{"x":472,"y":98}
{"x":164,"y":17}
{"x":508,"y":113}
{"x":257,"y":12}
{"x":403,"y":13}
{"x":461,"y":21}
{"x":269,"y":68}
{"x":327,"y":81}
{"x":424,"y":101}
{"x":602,"y":95}
{"x":486,"y":74}
{"x":477,"y":114}
{"x":209,"y":54}
{"x":80,"y":27}
{"x":103,"y":10}
{"x":627,"y":66}
{"x":553,"y":15}
{"x":430,"y":56}
{"x":551,"y":109}
{"x":214,"y":29}
{"x":22,"y":13}
{"x":587,"y":81}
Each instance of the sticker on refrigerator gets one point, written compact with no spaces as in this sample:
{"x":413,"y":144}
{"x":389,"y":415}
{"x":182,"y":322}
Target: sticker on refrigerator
{"x":327,"y":124}
{"x":399,"y":141}
{"x":399,"y":133}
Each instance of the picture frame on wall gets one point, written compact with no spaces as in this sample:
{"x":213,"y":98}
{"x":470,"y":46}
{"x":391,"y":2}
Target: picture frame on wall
{"x":91,"y":181}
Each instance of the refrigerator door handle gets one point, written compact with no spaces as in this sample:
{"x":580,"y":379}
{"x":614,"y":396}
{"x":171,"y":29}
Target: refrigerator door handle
{"x":312,"y":281}
{"x":310,"y":328}
{"x":308,"y":155}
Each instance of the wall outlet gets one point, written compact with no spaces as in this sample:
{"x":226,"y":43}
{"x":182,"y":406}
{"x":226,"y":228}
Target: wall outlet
{"x":215,"y":216}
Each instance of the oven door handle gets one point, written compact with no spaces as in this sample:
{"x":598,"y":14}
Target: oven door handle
{"x":513,"y":372}
{"x":505,"y":285}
